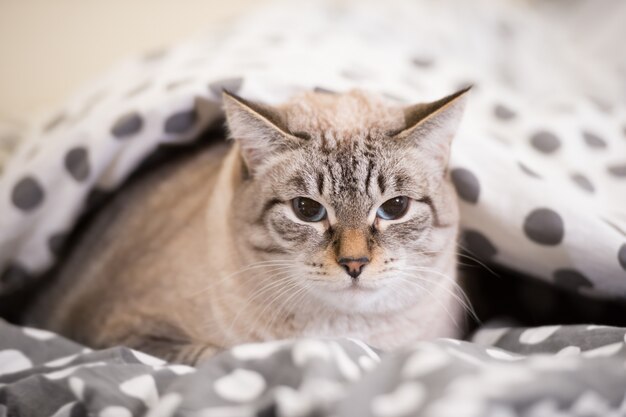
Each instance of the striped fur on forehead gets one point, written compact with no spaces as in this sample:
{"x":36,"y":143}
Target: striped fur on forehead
{"x":359,"y":169}
{"x":334,"y":119}
{"x":353,"y":135}
{"x":354,"y":151}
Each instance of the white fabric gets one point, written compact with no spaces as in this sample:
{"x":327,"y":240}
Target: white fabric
{"x":531,"y":87}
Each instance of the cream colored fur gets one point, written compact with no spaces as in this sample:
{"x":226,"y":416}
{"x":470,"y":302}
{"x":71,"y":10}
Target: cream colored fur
{"x":206,"y":252}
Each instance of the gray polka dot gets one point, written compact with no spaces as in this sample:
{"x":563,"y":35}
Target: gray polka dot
{"x":572,"y":279}
{"x":466,"y":184}
{"x":27,"y":194}
{"x":232,"y":85}
{"x":14,"y":277}
{"x":77,"y":163}
{"x":502,"y":112}
{"x":544,"y":226}
{"x":479,"y":245}
{"x":528,"y":171}
{"x":545,"y":142}
{"x":583,"y":182}
{"x":618,"y":170}
{"x":621,"y":256}
{"x":181,"y":122}
{"x":127,"y":125}
{"x":593,"y":140}
{"x":423,"y":62}
{"x":56,"y":243}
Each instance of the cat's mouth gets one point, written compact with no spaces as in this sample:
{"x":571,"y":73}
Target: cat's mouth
{"x":357,"y":286}
{"x":343,"y":286}
{"x":363,"y":295}
{"x":361,"y":285}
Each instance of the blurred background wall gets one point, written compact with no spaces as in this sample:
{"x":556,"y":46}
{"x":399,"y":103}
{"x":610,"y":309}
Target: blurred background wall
{"x":50,"y":47}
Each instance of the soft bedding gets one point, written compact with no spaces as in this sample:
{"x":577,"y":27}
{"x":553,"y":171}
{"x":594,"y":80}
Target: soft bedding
{"x":539,"y":166}
{"x":544,"y":371}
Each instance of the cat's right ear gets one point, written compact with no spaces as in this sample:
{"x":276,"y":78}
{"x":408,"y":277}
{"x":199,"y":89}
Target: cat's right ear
{"x":431,"y":126}
{"x":258,"y":128}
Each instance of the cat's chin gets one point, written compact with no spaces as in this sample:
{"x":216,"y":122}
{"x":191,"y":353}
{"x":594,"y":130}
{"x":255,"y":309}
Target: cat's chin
{"x":358,"y":297}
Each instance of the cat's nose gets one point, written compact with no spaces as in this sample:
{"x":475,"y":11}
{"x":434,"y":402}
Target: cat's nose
{"x":353,"y":266}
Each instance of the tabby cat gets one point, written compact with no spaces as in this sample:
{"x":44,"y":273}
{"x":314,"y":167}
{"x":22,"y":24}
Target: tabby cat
{"x":331,"y":215}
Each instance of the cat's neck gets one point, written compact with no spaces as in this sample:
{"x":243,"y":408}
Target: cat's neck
{"x":271,"y":317}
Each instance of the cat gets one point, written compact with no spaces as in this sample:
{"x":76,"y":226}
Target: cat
{"x":332,"y":215}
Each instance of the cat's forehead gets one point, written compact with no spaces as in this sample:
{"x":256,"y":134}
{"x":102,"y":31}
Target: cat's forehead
{"x":346,"y":116}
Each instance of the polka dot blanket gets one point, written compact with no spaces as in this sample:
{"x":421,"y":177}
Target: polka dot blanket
{"x":541,"y":172}
{"x":539,"y":165}
{"x":545,"y":371}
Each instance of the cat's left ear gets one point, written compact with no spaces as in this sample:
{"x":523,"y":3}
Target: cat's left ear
{"x":258,"y":128}
{"x":431,"y":126}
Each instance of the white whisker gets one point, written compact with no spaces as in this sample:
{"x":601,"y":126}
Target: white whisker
{"x":461,"y":298}
{"x":241,"y":271}
{"x":277,"y":281}
{"x":286,"y":306}
{"x":281,"y":292}
{"x":443,"y":306}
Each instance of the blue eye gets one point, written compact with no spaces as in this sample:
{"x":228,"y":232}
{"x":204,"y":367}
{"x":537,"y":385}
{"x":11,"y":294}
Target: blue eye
{"x":308,"y":210}
{"x":394,"y":208}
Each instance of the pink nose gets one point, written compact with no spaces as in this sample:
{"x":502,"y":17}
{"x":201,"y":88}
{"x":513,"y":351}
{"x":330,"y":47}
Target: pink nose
{"x":353,"y":266}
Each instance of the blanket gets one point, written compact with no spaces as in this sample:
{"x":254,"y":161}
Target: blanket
{"x":532,"y":372}
{"x":539,"y":165}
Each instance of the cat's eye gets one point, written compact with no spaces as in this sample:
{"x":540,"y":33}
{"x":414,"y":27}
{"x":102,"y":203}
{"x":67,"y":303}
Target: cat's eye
{"x":308,"y":210}
{"x":393,"y":208}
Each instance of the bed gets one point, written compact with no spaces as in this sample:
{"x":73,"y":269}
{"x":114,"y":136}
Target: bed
{"x":539,"y":165}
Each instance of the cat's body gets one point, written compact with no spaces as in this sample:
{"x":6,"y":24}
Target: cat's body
{"x":278,"y":235}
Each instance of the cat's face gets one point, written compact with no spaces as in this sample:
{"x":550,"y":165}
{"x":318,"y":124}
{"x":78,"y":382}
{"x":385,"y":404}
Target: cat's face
{"x":345,"y":196}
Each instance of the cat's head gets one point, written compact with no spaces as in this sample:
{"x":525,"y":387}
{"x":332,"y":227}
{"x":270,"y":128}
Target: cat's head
{"x":345,"y":195}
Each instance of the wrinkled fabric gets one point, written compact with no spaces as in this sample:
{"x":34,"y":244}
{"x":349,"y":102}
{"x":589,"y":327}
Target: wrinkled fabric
{"x":544,"y":371}
{"x":539,"y":166}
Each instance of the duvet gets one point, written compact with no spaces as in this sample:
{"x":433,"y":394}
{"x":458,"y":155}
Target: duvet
{"x":539,"y":165}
